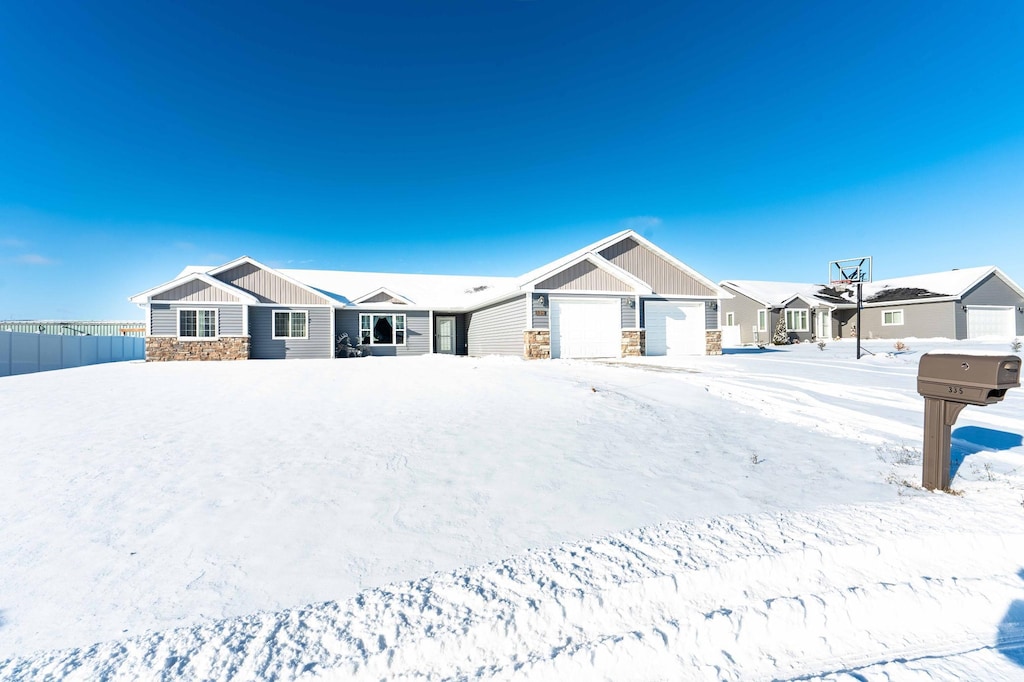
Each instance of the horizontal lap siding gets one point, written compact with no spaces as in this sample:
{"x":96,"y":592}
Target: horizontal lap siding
{"x":164,"y":318}
{"x":629,"y":314}
{"x":498,"y":329}
{"x":263,"y":345}
{"x":921,"y":320}
{"x":417,"y":331}
{"x":646,"y":265}
{"x":745,"y":311}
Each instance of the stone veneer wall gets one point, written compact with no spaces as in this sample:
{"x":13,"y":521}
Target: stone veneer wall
{"x":162,"y":348}
{"x":713,"y":342}
{"x":634,"y":343}
{"x":537,"y":344}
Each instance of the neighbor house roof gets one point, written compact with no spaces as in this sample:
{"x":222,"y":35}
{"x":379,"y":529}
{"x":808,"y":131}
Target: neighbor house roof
{"x":778,"y":294}
{"x":935,"y":286}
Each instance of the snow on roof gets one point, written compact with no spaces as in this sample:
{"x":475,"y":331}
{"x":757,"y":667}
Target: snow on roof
{"x":939,"y":284}
{"x":776,"y":294}
{"x":424,"y":291}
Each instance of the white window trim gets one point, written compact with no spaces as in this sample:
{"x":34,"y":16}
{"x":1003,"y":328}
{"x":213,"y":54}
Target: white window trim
{"x":730,"y":319}
{"x":894,"y":324}
{"x":394,"y":326}
{"x":273,"y":324}
{"x":216,"y":323}
{"x":760,"y":327}
{"x":806,"y":317}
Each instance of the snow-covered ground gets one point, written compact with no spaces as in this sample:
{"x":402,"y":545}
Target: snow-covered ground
{"x":750,"y":516}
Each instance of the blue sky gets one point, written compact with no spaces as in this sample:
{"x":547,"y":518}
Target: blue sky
{"x":752,"y":140}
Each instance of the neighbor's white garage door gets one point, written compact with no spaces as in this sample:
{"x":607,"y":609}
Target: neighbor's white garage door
{"x":674,"y":328}
{"x":586,"y":328}
{"x":990,"y":321}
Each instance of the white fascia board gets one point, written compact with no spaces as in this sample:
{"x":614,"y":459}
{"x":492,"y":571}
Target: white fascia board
{"x":146,"y":296}
{"x":382,"y":290}
{"x":669,"y":257}
{"x":812,"y":300}
{"x":278,"y":273}
{"x":399,"y":307}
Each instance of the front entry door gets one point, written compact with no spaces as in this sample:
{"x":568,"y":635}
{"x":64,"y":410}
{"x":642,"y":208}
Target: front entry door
{"x":444,"y":332}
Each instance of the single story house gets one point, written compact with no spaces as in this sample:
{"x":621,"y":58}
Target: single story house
{"x":968,"y":303}
{"x":620,"y":296}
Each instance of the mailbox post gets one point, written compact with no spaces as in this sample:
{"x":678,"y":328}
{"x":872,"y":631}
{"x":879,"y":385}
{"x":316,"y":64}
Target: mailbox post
{"x":949,"y":382}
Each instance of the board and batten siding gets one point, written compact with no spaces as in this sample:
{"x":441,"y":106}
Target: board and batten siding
{"x":497,"y":329}
{"x":196,"y":290}
{"x":543,"y":321}
{"x":268,"y":287}
{"x":920,"y":320}
{"x":990,"y":291}
{"x":745,"y":310}
{"x":263,"y":345}
{"x":584,"y":276}
{"x":417,"y":330}
{"x":650,"y":267}
{"x":163,"y":317}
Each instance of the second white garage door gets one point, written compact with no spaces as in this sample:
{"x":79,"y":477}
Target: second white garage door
{"x":674,"y":328}
{"x":986,"y":321}
{"x":586,"y":328}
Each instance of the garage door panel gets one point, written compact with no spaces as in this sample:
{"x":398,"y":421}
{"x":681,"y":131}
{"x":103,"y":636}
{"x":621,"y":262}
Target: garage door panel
{"x":989,"y":321}
{"x":674,"y":328}
{"x":585,"y":328}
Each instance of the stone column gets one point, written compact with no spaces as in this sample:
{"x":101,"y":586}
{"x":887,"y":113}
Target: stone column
{"x":634,"y":342}
{"x":537,"y":344}
{"x":713,"y":342}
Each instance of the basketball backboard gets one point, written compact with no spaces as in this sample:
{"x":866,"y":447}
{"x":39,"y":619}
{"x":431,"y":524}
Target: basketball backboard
{"x":849,"y":271}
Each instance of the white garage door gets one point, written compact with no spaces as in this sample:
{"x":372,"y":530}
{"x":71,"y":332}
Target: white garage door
{"x":985,"y":321}
{"x":674,"y":328}
{"x":586,"y":328}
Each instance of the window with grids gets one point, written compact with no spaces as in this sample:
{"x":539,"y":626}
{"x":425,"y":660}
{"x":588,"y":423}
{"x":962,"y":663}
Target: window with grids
{"x":197,"y":324}
{"x":382,"y":330}
{"x":291,"y":324}
{"x":796,"y":320}
{"x":892,"y":318}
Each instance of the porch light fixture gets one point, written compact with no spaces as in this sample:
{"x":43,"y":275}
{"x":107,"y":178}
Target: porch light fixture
{"x":542,"y":300}
{"x":714,"y":305}
{"x":632,"y":302}
{"x":964,"y":308}
{"x":1020,"y":308}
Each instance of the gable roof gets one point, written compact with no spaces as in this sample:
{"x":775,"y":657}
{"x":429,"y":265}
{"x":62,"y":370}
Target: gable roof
{"x":185,"y":278}
{"x":780,"y":294}
{"x":947,"y":285}
{"x":447,"y":292}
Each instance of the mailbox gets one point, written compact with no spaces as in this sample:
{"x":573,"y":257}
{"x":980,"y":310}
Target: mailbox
{"x":970,"y":379}
{"x":949,"y":382}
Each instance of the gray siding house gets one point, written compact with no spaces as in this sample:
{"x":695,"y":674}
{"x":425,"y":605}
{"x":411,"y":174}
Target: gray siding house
{"x":969,"y":303}
{"x":619,"y":296}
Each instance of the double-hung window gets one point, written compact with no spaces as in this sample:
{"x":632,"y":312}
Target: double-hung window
{"x":291,"y":324}
{"x":892,"y":318}
{"x":762,"y":320}
{"x":382,"y":330}
{"x":796,"y":320}
{"x":197,"y":324}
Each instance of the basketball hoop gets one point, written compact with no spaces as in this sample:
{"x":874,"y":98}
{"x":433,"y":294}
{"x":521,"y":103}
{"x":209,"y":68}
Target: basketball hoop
{"x":842,"y":275}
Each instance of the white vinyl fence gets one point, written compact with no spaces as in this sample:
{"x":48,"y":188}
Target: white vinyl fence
{"x":23,"y":353}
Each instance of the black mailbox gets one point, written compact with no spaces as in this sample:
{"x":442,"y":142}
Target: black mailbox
{"x":970,"y":379}
{"x":949,"y":382}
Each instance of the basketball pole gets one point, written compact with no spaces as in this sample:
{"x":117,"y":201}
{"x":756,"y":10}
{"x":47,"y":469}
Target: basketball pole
{"x":860,"y":291}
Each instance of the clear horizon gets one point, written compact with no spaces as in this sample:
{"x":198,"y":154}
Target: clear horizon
{"x":751,"y":141}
